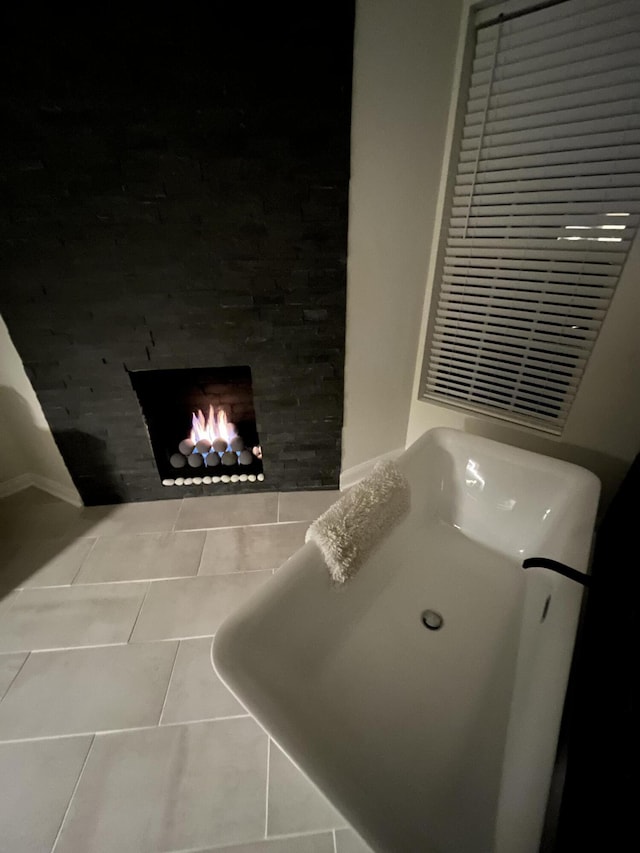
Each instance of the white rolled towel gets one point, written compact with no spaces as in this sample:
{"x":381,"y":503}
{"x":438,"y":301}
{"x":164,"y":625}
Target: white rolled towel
{"x":349,"y":530}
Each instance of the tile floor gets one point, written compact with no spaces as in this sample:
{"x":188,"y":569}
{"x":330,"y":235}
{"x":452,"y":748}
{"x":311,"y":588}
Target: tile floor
{"x":115,"y":734}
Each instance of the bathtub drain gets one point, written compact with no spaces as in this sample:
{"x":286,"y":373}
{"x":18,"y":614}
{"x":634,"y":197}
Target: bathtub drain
{"x":432,"y":620}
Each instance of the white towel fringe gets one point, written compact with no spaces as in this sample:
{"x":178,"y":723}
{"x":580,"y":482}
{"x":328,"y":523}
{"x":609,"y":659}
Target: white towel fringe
{"x":349,"y":530}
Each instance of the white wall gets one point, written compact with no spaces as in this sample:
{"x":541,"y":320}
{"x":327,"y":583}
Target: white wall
{"x":603,"y":428}
{"x":403,"y":69}
{"x":27,"y":448}
{"x":407,"y":58}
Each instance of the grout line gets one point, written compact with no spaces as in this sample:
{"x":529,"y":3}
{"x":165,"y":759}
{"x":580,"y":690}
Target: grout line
{"x":204,"y":545}
{"x":266,"y":799}
{"x":278,"y":510}
{"x":44,"y":651}
{"x":175,"y":521}
{"x":312,"y":833}
{"x":93,"y":535}
{"x":82,"y":562}
{"x":160,"y":580}
{"x":47,"y":651}
{"x":223,"y":719}
{"x":281,"y":836}
{"x":166,"y":693}
{"x":73,"y":793}
{"x":241,"y":845}
{"x":155,"y":727}
{"x":135,"y":621}
{"x":20,"y":668}
{"x":335,"y":841}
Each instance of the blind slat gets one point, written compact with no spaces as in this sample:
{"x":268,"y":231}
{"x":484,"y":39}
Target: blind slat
{"x":513,"y":35}
{"x":497,"y":131}
{"x":529,"y":279}
{"x":551,"y":16}
{"x":559,"y":49}
{"x":527,"y":96}
{"x":608,"y":100}
{"x":457,"y":351}
{"x":544,"y":208}
{"x":505,"y":348}
{"x":487,"y":295}
{"x":592,"y":176}
{"x":504,"y":372}
{"x":563,"y":65}
{"x":456,"y":263}
{"x":520,"y":86}
{"x":601,"y":154}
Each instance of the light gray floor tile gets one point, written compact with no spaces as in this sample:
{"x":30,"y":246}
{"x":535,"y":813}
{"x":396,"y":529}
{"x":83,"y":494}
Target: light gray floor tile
{"x":196,"y":692}
{"x":193,"y":607}
{"x":121,"y":519}
{"x":228,"y":511}
{"x":37,"y":779}
{"x":305,"y":506}
{"x":62,"y":617}
{"x":87,"y":690}
{"x":141,"y":556}
{"x":9,"y":668}
{"x":348,"y":841}
{"x":170,"y":788}
{"x":320,"y":843}
{"x":44,"y":562}
{"x":295,"y":804}
{"x":39,"y":521}
{"x":238,"y":549}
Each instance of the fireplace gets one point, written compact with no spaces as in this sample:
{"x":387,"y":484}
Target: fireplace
{"x":172,"y":207}
{"x":201,"y":424}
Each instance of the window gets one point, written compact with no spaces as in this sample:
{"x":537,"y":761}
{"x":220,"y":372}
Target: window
{"x":542,"y":210}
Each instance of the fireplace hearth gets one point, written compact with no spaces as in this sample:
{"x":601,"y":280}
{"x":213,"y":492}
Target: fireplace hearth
{"x":201,"y":425}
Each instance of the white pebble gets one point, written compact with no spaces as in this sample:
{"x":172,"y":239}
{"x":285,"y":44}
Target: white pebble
{"x":251,"y":478}
{"x":235,"y":478}
{"x":179,"y":481}
{"x":261,"y":478}
{"x":215,"y":479}
{"x":225,"y":478}
{"x":197,"y":481}
{"x":206,"y":480}
{"x":168,"y":482}
{"x":243,"y":478}
{"x":188,"y":481}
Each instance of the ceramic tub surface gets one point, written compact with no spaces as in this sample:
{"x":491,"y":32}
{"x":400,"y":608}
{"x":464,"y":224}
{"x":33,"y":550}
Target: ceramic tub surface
{"x":428,"y":740}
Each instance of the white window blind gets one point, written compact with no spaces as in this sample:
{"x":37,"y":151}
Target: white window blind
{"x":543,"y":209}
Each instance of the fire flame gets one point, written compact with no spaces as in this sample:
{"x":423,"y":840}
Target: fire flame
{"x":215,"y":425}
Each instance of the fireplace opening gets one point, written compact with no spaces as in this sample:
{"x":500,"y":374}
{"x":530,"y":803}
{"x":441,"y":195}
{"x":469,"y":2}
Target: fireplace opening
{"x":201,"y":424}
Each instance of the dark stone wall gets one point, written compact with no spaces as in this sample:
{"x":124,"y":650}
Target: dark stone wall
{"x":175,"y":195}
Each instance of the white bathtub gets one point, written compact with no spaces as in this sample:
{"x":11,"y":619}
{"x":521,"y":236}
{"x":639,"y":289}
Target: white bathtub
{"x":430,"y":741}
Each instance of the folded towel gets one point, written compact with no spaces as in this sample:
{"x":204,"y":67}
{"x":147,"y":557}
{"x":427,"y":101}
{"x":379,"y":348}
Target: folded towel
{"x":348,"y":531}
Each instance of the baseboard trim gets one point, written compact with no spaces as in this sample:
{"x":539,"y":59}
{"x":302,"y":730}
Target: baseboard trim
{"x":65,"y":493}
{"x":353,"y":475}
{"x":15,"y":484}
{"x":23,"y":481}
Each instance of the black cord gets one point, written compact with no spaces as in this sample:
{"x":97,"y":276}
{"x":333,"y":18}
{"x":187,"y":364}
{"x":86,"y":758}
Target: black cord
{"x":555,"y":566}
